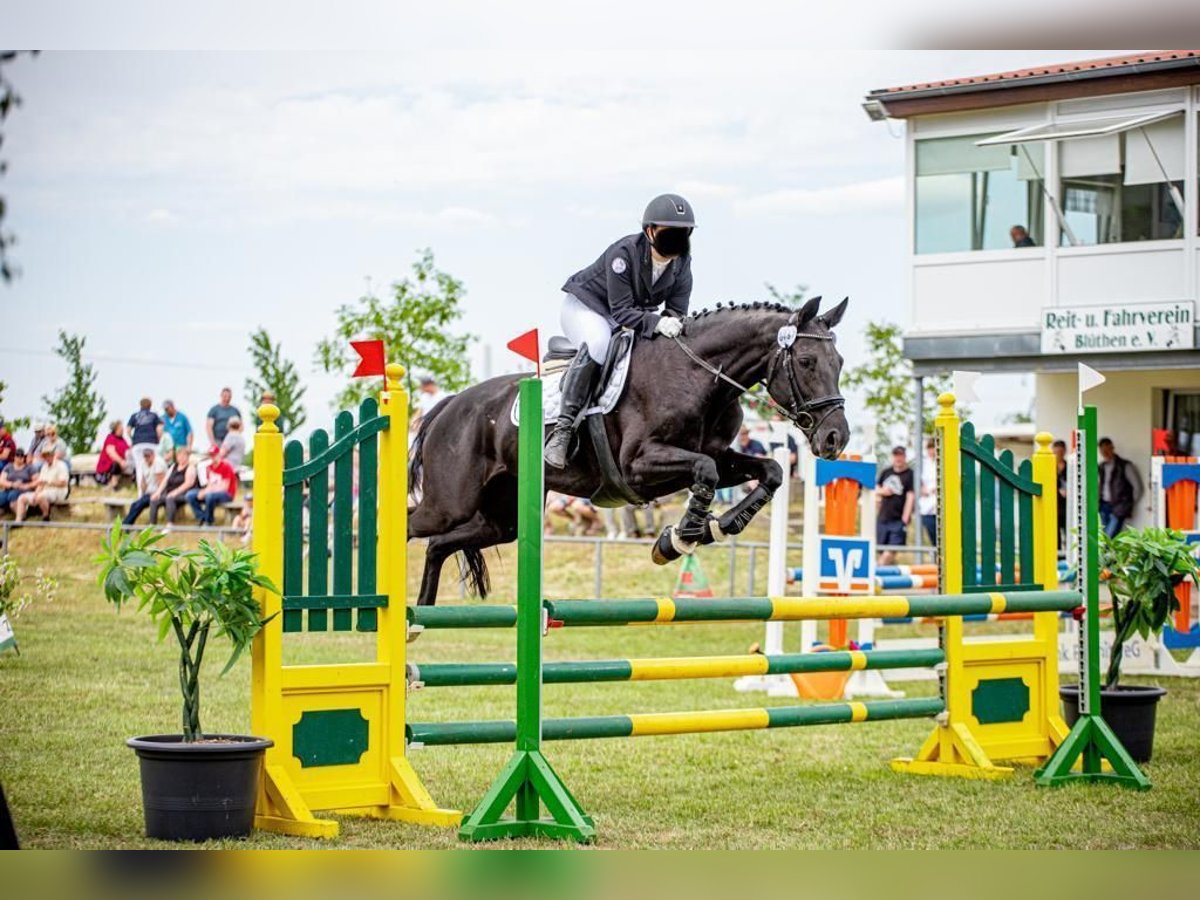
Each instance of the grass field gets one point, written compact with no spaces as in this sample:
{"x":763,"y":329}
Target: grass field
{"x":88,"y":678}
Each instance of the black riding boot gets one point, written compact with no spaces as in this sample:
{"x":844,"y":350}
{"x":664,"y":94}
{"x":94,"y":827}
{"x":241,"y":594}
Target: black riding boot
{"x":577,"y":384}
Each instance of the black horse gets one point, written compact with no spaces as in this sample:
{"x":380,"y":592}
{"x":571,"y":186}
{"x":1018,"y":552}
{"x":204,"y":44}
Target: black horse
{"x":671,"y":430}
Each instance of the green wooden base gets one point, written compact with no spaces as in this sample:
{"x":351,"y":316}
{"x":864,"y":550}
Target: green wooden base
{"x":529,"y":782}
{"x":1091,"y":743}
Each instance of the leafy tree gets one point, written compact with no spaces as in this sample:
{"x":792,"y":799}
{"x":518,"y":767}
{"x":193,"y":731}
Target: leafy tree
{"x":885,"y":381}
{"x":794,"y":298}
{"x":280,"y":377}
{"x":415,"y":326}
{"x":9,"y":101}
{"x":77,"y":409}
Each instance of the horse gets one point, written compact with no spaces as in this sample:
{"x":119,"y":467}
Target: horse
{"x":672,"y":429}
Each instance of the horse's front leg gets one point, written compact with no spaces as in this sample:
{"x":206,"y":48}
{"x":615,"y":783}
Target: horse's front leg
{"x":662,"y":463}
{"x":737,"y":468}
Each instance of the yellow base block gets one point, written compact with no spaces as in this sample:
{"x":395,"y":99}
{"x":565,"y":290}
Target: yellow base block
{"x":308,"y":828}
{"x":950,"y":770}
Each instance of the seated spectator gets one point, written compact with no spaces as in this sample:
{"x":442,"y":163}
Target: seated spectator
{"x":244,"y":521}
{"x":578,"y":510}
{"x":220,"y":488}
{"x":233,"y":447}
{"x":145,"y":430}
{"x":115,"y":458}
{"x":35,"y":446}
{"x":149,"y":479}
{"x":748,"y":445}
{"x":16,"y":479}
{"x":58,"y":445}
{"x":8,"y":446}
{"x":176,"y":424}
{"x":172,"y":493}
{"x":50,"y":486}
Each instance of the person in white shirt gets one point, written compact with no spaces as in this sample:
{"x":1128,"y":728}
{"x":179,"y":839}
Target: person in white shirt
{"x":928,"y":498}
{"x":51,"y":486}
{"x":428,"y":396}
{"x":150,"y":479}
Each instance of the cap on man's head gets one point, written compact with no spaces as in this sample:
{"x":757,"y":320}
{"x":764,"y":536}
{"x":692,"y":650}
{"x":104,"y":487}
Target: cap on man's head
{"x":167,"y":403}
{"x":899,"y":451}
{"x":427,"y":380}
{"x":40,"y":426}
{"x":148,"y":451}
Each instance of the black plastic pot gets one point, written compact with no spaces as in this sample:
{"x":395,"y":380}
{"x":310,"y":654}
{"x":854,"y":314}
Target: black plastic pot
{"x":1129,"y":711}
{"x":199,"y":791}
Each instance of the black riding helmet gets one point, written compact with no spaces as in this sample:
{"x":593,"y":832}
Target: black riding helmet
{"x":670,"y":210}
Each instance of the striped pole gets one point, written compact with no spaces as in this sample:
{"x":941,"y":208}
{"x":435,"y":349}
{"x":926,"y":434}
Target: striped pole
{"x":705,"y":721}
{"x":674,"y":669}
{"x":796,"y":609}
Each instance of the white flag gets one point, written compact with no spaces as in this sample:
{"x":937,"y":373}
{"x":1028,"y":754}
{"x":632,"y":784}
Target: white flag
{"x":1088,"y":379}
{"x":964,"y":385}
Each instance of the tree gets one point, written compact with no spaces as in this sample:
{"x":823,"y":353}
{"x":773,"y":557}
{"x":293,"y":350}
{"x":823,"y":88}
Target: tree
{"x":885,"y":381}
{"x":13,"y":422}
{"x":9,"y":101}
{"x":415,"y":327}
{"x":77,"y":409}
{"x":280,"y":377}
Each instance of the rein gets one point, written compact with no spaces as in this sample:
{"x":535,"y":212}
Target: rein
{"x":802,"y":413}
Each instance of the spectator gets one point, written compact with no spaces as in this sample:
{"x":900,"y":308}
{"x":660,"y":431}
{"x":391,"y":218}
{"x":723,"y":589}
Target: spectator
{"x":928,"y":501}
{"x":35,"y":446}
{"x":748,"y":445}
{"x":57,"y":444}
{"x":8,"y":446}
{"x":428,"y":396}
{"x":166,"y":447}
{"x":244,"y":521}
{"x":16,"y":479}
{"x":1020,"y":237}
{"x":50,"y":486}
{"x":145,"y":430}
{"x":172,"y":493}
{"x":1060,"y":462}
{"x":220,"y":488}
{"x":150,"y":479}
{"x":115,"y":459}
{"x":177,"y":425}
{"x":894,"y":505}
{"x":218,"y":420}
{"x":1120,"y":488}
{"x":579,"y":511}
{"x":268,"y":397}
{"x":233,"y":448}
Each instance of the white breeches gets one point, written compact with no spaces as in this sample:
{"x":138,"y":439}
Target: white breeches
{"x":582,"y":326}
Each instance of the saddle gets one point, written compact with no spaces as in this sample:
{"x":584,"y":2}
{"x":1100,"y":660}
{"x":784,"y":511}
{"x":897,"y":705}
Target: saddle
{"x":614,"y":491}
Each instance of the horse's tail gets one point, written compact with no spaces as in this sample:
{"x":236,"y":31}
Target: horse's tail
{"x":416,"y":452}
{"x":474,"y":571}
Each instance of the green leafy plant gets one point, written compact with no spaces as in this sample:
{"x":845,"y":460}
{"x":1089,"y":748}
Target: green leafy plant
{"x":1142,"y":567}
{"x":187,"y":593}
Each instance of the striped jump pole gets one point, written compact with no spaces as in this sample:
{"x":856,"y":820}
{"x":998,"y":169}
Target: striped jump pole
{"x":698,"y":722}
{"x":669,"y":669}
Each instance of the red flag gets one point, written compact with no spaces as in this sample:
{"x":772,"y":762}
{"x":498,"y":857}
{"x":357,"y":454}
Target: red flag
{"x":371,"y":358}
{"x":526,"y":345}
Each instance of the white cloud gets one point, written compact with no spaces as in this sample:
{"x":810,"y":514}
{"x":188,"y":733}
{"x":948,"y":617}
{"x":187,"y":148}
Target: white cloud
{"x":878,"y":195}
{"x":161,"y":217}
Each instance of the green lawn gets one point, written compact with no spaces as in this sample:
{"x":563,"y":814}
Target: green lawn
{"x":88,"y":678}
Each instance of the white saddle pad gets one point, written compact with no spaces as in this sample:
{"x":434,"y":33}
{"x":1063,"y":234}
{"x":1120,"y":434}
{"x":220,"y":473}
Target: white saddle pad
{"x":552,"y":392}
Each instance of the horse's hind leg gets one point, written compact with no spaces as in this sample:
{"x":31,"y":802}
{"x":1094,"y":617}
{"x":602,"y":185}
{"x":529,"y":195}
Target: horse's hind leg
{"x":469,"y":539}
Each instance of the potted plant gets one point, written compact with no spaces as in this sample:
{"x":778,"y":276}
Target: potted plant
{"x":195,"y":785}
{"x":1142,"y":567}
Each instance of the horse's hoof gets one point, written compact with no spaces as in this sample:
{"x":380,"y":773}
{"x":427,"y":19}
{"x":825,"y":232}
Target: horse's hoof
{"x":669,"y":547}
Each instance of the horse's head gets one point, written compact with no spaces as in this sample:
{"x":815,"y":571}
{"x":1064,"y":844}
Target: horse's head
{"x":804,"y":373}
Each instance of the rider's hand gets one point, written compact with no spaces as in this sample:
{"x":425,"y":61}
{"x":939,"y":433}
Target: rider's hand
{"x":668,"y":326}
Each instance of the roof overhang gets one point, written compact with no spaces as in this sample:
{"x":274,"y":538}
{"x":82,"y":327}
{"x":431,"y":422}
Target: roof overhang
{"x":988,"y":92}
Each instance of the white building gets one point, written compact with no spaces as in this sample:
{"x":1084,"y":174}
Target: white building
{"x":1097,"y":163}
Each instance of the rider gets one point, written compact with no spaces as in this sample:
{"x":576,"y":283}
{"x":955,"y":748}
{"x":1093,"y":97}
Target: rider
{"x":623,"y":288}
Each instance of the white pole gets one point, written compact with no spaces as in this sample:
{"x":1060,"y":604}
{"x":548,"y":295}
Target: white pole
{"x":776,"y":584}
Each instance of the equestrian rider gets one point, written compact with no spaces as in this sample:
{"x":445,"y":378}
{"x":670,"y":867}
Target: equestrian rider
{"x":624,"y":288}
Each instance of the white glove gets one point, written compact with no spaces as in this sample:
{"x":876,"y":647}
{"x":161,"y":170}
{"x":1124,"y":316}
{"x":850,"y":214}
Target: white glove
{"x":668,"y":326}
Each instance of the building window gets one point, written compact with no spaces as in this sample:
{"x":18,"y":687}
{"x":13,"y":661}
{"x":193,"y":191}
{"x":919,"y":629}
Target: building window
{"x":1123,"y":187}
{"x":1183,"y":423}
{"x":977,"y":198}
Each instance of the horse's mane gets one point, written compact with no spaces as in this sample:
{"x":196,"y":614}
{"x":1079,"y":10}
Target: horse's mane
{"x":752,"y":306}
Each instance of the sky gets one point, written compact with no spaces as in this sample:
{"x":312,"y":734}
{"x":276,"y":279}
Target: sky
{"x":168,"y":203}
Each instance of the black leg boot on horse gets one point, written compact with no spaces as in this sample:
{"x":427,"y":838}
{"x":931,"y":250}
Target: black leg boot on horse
{"x":578,"y":383}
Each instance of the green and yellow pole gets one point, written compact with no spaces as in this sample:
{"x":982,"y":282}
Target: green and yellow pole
{"x":1091,"y":743}
{"x":528,"y":781}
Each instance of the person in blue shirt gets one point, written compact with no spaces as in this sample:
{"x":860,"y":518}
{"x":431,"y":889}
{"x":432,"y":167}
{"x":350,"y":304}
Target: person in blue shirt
{"x":177,"y":425}
{"x":145,"y":431}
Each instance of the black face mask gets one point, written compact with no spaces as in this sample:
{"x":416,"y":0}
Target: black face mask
{"x":673,"y":241}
